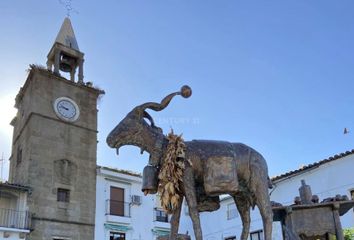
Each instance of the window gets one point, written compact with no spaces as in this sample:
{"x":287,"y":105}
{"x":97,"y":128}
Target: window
{"x":19,"y":155}
{"x":161,"y":216}
{"x":63,"y":195}
{"x":231,"y":211}
{"x":116,"y":236}
{"x":116,"y":201}
{"x":231,"y":238}
{"x":257,"y":235}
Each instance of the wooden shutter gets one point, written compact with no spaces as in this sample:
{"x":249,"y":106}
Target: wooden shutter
{"x":117,"y":201}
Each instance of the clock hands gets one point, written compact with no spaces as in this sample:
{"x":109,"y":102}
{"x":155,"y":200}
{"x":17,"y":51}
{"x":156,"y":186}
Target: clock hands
{"x":61,"y":106}
{"x":66,"y":109}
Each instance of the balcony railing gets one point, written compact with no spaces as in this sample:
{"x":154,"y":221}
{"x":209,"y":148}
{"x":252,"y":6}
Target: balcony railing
{"x":160,"y":215}
{"x":117,"y":208}
{"x":15,"y":219}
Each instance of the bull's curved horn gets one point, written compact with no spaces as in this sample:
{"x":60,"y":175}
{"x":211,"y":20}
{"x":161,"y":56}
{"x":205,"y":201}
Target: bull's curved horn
{"x":147,"y":115}
{"x":186,"y":92}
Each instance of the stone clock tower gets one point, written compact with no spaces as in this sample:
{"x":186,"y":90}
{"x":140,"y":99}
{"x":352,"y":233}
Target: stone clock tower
{"x":55,"y":142}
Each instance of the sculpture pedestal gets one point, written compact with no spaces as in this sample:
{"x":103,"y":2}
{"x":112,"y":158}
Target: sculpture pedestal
{"x":312,"y":221}
{"x":179,"y":237}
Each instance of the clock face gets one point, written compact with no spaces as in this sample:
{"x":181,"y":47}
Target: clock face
{"x":66,"y":109}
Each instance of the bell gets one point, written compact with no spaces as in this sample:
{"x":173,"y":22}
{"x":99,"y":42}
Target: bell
{"x":66,"y":63}
{"x":150,"y":179}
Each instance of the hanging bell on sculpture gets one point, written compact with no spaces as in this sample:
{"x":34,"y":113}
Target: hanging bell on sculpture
{"x":150,"y":180}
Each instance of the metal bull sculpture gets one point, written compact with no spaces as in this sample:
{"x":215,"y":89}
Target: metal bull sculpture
{"x":213,"y":168}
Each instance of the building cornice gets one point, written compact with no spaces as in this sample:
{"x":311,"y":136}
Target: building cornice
{"x":311,"y":166}
{"x":34,"y":68}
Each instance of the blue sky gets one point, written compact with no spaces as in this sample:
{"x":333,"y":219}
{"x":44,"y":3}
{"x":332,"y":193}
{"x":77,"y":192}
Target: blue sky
{"x":275,"y":75}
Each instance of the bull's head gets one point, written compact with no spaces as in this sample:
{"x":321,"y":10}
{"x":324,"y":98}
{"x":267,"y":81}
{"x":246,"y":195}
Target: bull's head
{"x":134,"y":130}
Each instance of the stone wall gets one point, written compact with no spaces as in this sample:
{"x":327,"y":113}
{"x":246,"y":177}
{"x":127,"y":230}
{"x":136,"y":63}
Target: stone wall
{"x":56,"y":155}
{"x":46,"y":230}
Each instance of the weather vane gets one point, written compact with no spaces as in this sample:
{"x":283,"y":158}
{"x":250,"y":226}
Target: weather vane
{"x":69,"y":8}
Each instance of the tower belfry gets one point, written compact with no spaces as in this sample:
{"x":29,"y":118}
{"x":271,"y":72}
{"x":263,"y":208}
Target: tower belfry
{"x":54,"y":148}
{"x":65,"y":54}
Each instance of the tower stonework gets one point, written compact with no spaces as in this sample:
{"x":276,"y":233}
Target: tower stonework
{"x":54,"y":153}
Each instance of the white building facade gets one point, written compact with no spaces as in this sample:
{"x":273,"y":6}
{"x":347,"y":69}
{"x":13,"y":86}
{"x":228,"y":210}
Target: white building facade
{"x":327,"y":178}
{"x":15,"y":219}
{"x":122,"y":212}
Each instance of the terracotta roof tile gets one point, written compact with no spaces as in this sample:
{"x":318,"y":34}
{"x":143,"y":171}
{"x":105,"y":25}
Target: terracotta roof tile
{"x":14,"y":186}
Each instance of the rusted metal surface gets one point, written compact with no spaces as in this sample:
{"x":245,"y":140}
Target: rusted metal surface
{"x":218,"y":160}
{"x":211,"y":168}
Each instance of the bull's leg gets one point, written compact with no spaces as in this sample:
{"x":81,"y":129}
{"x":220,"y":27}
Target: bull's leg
{"x":190,"y":194}
{"x":243,"y":207}
{"x":175,"y":220}
{"x":265,"y":208}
